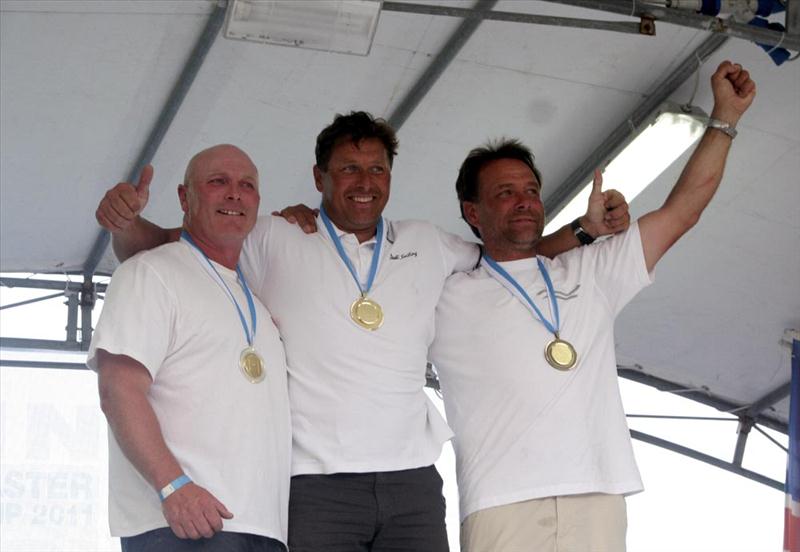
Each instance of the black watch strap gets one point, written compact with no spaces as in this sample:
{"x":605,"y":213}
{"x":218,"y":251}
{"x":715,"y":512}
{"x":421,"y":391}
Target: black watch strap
{"x":580,"y":233}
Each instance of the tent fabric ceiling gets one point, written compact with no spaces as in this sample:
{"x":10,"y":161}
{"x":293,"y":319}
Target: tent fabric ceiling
{"x":82,"y":82}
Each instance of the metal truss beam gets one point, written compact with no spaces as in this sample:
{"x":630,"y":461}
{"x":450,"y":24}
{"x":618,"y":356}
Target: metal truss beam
{"x":513,"y":17}
{"x":701,"y":397}
{"x":32,"y":283}
{"x":168,"y":112}
{"x":25,"y":344}
{"x":687,"y":18}
{"x":81,"y":298}
{"x":443,"y":58}
{"x":630,"y":8}
{"x":708,"y":459}
{"x":43,"y":364}
{"x":748,"y":418}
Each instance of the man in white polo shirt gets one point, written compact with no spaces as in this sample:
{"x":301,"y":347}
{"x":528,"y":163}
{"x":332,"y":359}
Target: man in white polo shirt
{"x":192,"y":379}
{"x":355,"y":305}
{"x":525,"y":348}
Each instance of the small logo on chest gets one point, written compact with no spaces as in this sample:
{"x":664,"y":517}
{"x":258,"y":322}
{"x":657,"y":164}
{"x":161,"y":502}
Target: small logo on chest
{"x":563,"y":295}
{"x":401,"y":256}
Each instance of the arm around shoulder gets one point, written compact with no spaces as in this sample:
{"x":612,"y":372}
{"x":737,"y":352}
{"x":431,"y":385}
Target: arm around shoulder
{"x":119,"y":213}
{"x":141,"y":235}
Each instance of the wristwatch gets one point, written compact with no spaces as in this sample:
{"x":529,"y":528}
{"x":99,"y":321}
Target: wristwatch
{"x":722,"y":126}
{"x":584,"y":237}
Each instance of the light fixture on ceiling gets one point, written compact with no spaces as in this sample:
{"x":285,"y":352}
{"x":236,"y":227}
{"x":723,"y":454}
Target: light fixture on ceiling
{"x":672,"y":130}
{"x":346,"y":26}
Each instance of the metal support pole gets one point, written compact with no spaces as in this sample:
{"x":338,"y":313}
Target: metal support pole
{"x":702,"y":457}
{"x":701,"y":396}
{"x":743,"y":431}
{"x":31,"y":301}
{"x":72,"y":317}
{"x":43,"y":364}
{"x":87,"y":300}
{"x":725,"y":27}
{"x":164,"y":121}
{"x":512,"y":17}
{"x":31,"y":283}
{"x":448,"y":52}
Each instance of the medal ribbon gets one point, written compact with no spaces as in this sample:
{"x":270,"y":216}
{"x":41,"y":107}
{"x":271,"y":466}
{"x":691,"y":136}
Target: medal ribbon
{"x":508,"y":282}
{"x":200,"y":254}
{"x":376,"y":253}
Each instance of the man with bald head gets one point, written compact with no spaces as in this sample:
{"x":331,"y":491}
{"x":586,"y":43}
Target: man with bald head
{"x":192,"y":379}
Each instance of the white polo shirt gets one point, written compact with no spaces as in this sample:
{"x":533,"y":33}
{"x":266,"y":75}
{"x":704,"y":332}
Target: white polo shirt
{"x":229,"y":435}
{"x":523,"y":429}
{"x":357,"y":396}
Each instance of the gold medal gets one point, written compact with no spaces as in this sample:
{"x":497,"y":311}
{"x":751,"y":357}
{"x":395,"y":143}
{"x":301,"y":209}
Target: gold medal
{"x":252,"y":365}
{"x":366,"y":313}
{"x":560,"y":354}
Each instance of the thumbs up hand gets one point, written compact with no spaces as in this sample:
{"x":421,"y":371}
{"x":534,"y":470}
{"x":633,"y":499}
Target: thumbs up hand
{"x":122,"y":204}
{"x":607,"y":212}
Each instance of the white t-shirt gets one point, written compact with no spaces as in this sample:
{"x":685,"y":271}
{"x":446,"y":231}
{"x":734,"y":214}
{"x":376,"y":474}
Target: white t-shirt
{"x":523,"y":429}
{"x":230,"y":436}
{"x":357,"y":396}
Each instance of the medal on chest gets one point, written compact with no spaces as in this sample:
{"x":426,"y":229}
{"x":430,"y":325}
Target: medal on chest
{"x":559,"y":353}
{"x":364,"y":311}
{"x":251,"y":364}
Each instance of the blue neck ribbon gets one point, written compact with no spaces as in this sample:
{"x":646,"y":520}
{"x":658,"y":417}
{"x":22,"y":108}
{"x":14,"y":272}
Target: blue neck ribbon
{"x":508,"y":281}
{"x":376,"y":253}
{"x":250,"y":335}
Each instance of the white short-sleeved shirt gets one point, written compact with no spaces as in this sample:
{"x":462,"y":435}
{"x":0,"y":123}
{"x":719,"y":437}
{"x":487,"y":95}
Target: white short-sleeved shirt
{"x":523,"y":429}
{"x":357,"y":396}
{"x":232,"y":437}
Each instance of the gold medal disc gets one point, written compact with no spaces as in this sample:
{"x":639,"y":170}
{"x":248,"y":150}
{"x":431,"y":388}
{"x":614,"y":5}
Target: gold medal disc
{"x":560,"y":354}
{"x":366,"y":313}
{"x":252,"y":365}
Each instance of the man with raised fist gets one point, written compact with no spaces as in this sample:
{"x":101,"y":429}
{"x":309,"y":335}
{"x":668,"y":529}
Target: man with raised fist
{"x":525,"y":347}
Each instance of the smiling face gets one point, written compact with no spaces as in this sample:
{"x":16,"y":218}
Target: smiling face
{"x":220,"y":197}
{"x":355,"y":185}
{"x":508,"y":212}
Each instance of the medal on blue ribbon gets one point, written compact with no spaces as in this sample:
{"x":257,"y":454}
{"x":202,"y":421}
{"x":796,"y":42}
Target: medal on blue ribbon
{"x":250,"y":362}
{"x":365,"y":312}
{"x":559,"y":353}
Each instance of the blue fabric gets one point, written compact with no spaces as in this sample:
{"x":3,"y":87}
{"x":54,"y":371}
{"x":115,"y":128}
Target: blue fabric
{"x":164,"y":540}
{"x":376,"y":253}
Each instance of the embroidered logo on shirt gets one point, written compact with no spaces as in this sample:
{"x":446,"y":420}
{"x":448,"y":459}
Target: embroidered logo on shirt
{"x":402,"y":256}
{"x":572,"y":294}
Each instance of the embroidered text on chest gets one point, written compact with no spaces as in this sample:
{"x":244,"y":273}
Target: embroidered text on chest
{"x":402,"y":256}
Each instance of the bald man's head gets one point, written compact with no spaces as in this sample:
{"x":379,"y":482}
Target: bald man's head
{"x":227,"y":150}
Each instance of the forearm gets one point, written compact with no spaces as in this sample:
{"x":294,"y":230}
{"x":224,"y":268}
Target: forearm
{"x":699,"y":181}
{"x":558,"y":242}
{"x":139,"y":236}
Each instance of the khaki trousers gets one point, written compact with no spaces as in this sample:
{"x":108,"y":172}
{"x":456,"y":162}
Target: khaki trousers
{"x":577,"y":523}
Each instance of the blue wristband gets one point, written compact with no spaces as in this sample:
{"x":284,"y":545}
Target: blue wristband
{"x":173,"y":486}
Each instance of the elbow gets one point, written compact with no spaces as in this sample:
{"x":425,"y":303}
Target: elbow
{"x":107,"y":397}
{"x":690,"y":220}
